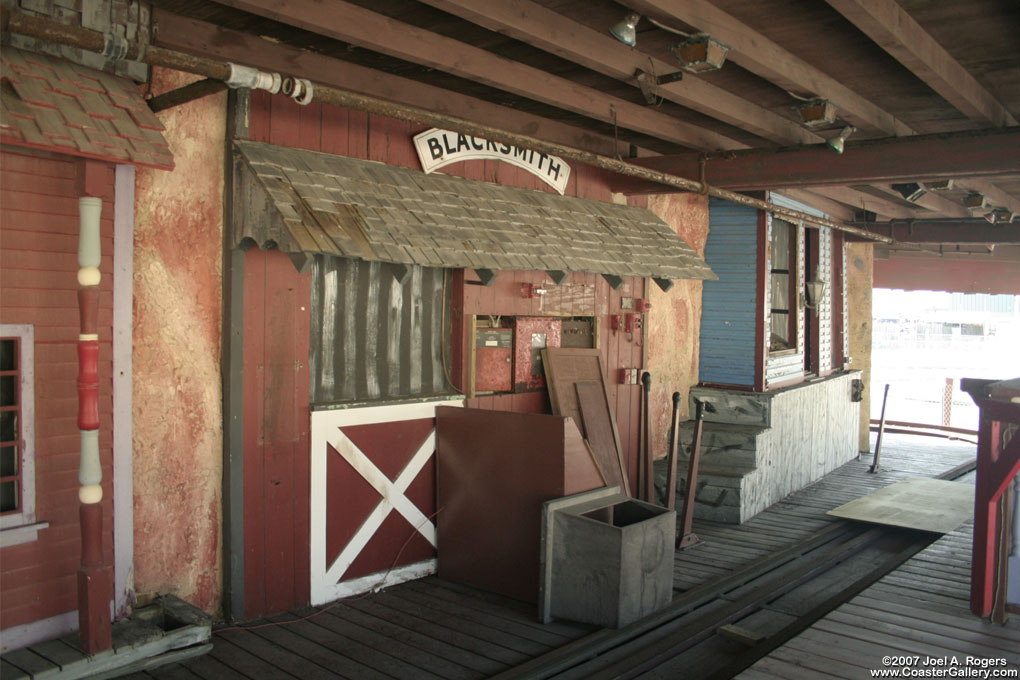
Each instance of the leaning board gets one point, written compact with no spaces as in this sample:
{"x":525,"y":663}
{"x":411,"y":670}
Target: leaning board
{"x":916,"y":503}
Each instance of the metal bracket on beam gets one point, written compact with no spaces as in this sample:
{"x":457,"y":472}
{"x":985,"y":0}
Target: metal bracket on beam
{"x":188,"y":93}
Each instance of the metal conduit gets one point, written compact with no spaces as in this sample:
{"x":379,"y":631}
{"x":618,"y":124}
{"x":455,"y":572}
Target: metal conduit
{"x":116,"y":47}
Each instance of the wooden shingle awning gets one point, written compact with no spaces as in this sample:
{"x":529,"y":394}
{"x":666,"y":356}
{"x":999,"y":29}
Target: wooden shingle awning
{"x":309,"y":202}
{"x":55,"y":105}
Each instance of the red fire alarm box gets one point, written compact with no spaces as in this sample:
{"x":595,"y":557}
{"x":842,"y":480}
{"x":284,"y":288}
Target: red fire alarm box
{"x":493,"y":361}
{"x":532,"y":334}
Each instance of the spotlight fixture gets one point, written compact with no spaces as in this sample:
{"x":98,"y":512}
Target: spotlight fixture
{"x":817,"y":112}
{"x":837,"y":142}
{"x":700,"y":53}
{"x":999,"y":216}
{"x":910,"y":191}
{"x":625,"y":29}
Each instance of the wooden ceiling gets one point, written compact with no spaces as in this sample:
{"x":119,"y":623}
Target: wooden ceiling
{"x":948,"y":70}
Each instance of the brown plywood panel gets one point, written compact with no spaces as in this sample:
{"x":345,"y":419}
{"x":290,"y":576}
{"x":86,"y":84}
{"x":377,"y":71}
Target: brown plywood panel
{"x":598,"y":430}
{"x":494,"y":471}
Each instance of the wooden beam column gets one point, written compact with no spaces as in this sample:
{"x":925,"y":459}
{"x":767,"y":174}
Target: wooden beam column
{"x":94,"y":577}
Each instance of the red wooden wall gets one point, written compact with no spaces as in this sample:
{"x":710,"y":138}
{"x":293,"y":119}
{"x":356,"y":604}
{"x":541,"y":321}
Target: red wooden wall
{"x":275,"y":564}
{"x":39,"y":286}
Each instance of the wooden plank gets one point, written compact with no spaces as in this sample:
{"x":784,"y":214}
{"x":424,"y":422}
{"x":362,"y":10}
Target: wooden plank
{"x":209,"y":668}
{"x":246,"y":662}
{"x":598,"y":431}
{"x":374,"y":31}
{"x":564,"y":367}
{"x":30,"y":662}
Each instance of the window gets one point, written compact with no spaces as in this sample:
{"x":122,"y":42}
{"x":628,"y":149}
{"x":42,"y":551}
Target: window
{"x":17,"y":435}
{"x":784,"y":300}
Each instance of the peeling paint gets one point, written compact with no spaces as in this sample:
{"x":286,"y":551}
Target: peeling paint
{"x":674,"y":322}
{"x":176,"y":342}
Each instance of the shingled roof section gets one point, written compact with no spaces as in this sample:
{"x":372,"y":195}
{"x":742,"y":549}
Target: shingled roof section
{"x":56,"y":105}
{"x":319,"y":203}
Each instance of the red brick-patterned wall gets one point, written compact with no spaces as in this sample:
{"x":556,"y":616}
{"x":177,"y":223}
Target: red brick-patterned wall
{"x":39,"y":286}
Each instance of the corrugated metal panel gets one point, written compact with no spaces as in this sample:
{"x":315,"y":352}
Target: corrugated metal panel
{"x":728,"y":305}
{"x":374,"y":338}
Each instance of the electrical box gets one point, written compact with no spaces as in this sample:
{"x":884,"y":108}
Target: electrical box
{"x":493,"y":359}
{"x":532,"y":334}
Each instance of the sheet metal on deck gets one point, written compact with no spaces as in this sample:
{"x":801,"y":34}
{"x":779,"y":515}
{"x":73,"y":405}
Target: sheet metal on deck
{"x":916,"y":503}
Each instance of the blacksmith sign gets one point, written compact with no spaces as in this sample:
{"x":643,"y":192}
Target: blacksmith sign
{"x":437,"y":148}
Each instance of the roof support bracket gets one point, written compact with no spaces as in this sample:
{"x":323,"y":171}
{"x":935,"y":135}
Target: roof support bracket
{"x":664,"y":284}
{"x":302,"y":261}
{"x":614,"y":281}
{"x":401,"y":272}
{"x":486,"y":276}
{"x":558,"y":277}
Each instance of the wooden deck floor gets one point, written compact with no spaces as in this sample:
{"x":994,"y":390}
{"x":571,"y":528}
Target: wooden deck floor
{"x":434,"y":629}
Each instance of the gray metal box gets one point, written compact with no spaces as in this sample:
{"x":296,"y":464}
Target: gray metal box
{"x":607,"y":559}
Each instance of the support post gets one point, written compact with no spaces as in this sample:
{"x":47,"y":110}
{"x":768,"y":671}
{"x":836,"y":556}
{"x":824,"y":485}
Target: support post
{"x":94,"y":578}
{"x":686,"y":537}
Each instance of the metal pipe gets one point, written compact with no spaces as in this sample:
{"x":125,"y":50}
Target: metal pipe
{"x":156,"y":56}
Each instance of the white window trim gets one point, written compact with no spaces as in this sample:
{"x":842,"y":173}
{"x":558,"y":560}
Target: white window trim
{"x":21,"y":527}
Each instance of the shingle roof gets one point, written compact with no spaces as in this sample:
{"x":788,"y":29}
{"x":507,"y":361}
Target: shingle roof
{"x":56,"y":105}
{"x":372,"y":211}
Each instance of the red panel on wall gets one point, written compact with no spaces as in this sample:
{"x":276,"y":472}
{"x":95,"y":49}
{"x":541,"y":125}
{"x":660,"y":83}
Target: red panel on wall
{"x":276,"y":420}
{"x":38,"y":286}
{"x":531,"y":336}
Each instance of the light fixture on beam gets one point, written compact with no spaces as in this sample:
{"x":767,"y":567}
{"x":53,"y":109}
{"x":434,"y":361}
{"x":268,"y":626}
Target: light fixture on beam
{"x":940,"y":185}
{"x":649,"y":83}
{"x":975,"y":200}
{"x":625,"y":30}
{"x":700,"y":53}
{"x":999,"y":216}
{"x":910,"y":191}
{"x":838,"y":142}
{"x":817,"y":112}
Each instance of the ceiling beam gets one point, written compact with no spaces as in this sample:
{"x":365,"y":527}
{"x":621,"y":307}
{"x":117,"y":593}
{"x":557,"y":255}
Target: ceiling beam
{"x":935,"y":204}
{"x":947,"y":232}
{"x":997,"y":198}
{"x":765,"y":58}
{"x":860,"y":200}
{"x":918,"y":158}
{"x":885,"y":22}
{"x":552,"y":32}
{"x":205,"y":39}
{"x":377,"y":32}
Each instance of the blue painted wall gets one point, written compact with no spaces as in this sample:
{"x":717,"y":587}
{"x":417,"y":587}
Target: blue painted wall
{"x":728,"y":305}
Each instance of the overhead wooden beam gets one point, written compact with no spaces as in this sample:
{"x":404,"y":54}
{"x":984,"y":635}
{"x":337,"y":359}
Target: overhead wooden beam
{"x":996,"y":196}
{"x":765,"y":58}
{"x":919,"y":158}
{"x":557,"y":34}
{"x":860,"y":200}
{"x":947,"y":232}
{"x":198,"y":37}
{"x":377,"y":32}
{"x":938,"y":205}
{"x":885,"y":22}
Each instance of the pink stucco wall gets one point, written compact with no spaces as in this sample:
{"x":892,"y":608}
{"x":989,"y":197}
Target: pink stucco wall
{"x":177,"y":395}
{"x":674,"y":322}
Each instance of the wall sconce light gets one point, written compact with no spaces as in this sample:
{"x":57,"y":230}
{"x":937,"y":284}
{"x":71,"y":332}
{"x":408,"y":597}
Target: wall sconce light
{"x":838,"y":142}
{"x":625,"y":30}
{"x":817,"y":112}
{"x":814,"y":291}
{"x":910,"y":191}
{"x":700,"y":53}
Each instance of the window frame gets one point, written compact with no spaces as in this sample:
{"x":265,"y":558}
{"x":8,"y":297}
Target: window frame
{"x":793,"y":288}
{"x":21,"y":526}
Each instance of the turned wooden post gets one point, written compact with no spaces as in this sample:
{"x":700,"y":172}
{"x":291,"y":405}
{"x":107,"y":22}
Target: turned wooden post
{"x":94,"y":578}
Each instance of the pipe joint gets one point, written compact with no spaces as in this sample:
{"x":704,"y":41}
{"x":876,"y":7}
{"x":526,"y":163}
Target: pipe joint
{"x":298,"y":89}
{"x":254,"y":79}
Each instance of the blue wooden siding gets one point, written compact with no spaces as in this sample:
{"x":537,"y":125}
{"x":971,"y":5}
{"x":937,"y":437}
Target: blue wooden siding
{"x":728,"y":305}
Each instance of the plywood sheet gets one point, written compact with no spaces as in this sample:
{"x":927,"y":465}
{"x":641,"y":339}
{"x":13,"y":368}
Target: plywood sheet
{"x":598,"y":430}
{"x":917,"y":503}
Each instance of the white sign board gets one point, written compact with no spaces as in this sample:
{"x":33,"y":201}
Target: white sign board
{"x":437,"y":148}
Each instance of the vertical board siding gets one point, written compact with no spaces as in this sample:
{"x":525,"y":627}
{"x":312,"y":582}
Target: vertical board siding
{"x":39,"y":286}
{"x":373,"y":337}
{"x":728,"y":305}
